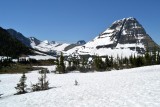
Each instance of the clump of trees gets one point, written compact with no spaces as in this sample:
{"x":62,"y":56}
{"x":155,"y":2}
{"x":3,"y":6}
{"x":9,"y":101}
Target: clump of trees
{"x":42,"y":84}
{"x":7,"y":62}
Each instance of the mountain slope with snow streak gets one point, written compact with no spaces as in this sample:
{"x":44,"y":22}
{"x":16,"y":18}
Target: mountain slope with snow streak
{"x":138,"y":87}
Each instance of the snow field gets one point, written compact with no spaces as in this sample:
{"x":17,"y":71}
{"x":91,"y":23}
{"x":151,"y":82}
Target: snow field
{"x":138,"y":87}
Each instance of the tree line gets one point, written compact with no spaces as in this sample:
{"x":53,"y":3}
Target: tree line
{"x":107,"y":63}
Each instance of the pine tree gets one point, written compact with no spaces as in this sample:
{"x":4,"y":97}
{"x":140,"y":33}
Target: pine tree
{"x":83,"y":68}
{"x":139,"y":61}
{"x":95,"y":62}
{"x":158,"y":58}
{"x":126,"y":62}
{"x":121,"y":62}
{"x":107,"y":63}
{"x":69,"y":63}
{"x":61,"y":68}
{"x":154,"y":55}
{"x":57,"y":64}
{"x":111,"y":62}
{"x":21,"y":85}
{"x":147,"y":58}
{"x":60,"y":64}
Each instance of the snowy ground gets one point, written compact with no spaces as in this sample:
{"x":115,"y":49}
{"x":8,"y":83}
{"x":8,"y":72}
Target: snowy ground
{"x":138,"y":87}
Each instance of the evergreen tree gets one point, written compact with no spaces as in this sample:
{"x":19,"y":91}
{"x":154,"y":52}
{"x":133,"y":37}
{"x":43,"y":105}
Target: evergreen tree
{"x":154,"y":55}
{"x":147,"y":58}
{"x":115,"y":64}
{"x":83,"y":68}
{"x":158,"y":58}
{"x":139,"y":61}
{"x":121,"y":62}
{"x":107,"y":63}
{"x":60,"y":64}
{"x":126,"y":62}
{"x":99,"y":64}
{"x":21,"y":85}
{"x":83,"y":62}
{"x":111,"y":62}
{"x":69,"y":62}
{"x":132,"y":61}
{"x":95,"y":65}
{"x":75,"y":61}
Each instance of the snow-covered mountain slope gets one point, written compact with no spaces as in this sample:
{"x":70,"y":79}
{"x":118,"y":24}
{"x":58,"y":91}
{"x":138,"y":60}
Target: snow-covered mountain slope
{"x":124,"y":37}
{"x":138,"y":87}
{"x":47,"y":46}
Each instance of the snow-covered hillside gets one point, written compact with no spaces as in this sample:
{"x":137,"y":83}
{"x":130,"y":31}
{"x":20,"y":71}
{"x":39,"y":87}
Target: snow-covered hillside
{"x":138,"y":87}
{"x":41,"y":57}
{"x":47,"y":46}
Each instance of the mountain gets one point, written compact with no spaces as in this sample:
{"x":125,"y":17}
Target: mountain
{"x":55,"y":47}
{"x":34,"y":41}
{"x":43,"y":46}
{"x":19,"y":36}
{"x":73,"y":45}
{"x":124,"y":37}
{"x":10,"y":46}
{"x":81,"y":42}
{"x":50,"y":47}
{"x":30,"y":42}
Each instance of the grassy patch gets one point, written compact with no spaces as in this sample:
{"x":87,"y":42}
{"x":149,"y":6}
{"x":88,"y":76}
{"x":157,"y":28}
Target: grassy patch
{"x":17,"y":68}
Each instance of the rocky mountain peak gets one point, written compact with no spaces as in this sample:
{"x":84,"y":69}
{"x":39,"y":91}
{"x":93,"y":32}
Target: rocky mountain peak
{"x":52,"y":42}
{"x":124,"y":37}
{"x":81,"y":42}
{"x":128,"y":31}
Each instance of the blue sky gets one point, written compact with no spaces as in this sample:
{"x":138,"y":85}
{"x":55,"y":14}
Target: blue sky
{"x":73,"y":20}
